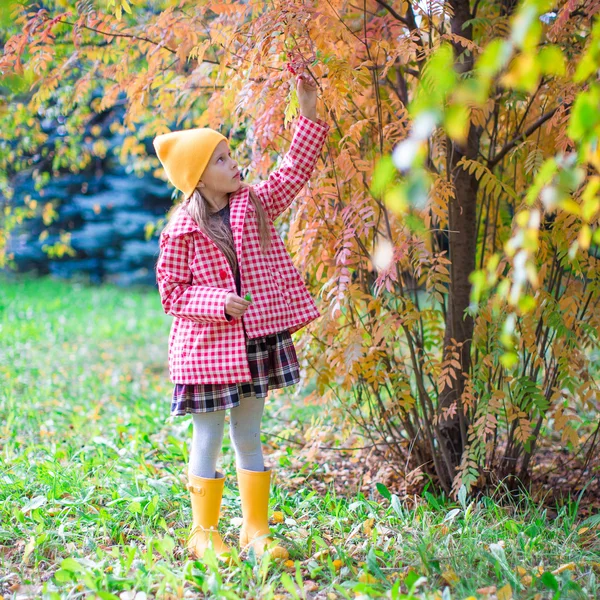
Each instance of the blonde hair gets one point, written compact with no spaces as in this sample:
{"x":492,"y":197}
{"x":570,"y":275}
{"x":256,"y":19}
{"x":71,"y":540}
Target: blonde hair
{"x":198,"y":208}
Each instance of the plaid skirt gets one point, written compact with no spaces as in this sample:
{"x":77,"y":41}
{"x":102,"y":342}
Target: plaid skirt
{"x":273,"y":364}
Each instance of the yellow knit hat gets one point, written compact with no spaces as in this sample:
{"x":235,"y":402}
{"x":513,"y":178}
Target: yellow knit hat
{"x":185,"y":154}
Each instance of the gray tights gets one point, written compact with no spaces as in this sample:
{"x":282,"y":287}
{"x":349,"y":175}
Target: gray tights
{"x":244,"y":430}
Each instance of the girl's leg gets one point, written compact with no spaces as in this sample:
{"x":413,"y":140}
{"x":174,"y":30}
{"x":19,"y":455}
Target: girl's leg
{"x":207,"y":441}
{"x":253,"y":481}
{"x":245,"y":433}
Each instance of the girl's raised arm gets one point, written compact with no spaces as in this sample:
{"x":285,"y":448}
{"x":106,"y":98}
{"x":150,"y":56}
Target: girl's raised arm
{"x":283,"y":185}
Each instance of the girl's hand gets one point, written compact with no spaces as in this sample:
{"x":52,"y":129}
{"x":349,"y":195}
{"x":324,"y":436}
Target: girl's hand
{"x":306,"y":90}
{"x":235,"y":306}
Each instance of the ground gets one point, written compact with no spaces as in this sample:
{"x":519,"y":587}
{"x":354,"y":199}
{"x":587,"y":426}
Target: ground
{"x":93,"y":501}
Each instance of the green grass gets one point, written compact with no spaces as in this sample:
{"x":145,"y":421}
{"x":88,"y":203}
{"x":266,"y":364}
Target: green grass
{"x":93,"y":503}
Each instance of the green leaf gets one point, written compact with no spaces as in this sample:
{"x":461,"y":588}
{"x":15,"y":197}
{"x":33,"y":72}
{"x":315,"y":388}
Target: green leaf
{"x":106,"y":595}
{"x":70,"y":564}
{"x":585,"y":115}
{"x":549,"y":581}
{"x":552,"y":61}
{"x":383,"y":491}
{"x":62,"y":576}
{"x":288,"y":584}
{"x":372,"y":564}
{"x":383,"y":175}
{"x":34,"y":503}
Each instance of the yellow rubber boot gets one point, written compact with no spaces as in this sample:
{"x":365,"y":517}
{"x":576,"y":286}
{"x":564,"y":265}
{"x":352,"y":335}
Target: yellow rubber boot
{"x":254,"y":494}
{"x":206,"y":495}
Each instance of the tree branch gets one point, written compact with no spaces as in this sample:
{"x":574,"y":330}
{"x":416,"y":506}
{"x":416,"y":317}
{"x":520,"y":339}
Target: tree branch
{"x":522,"y":136}
{"x":393,"y":12}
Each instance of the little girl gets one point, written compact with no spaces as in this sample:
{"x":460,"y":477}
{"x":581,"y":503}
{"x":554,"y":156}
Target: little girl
{"x":223,"y":272}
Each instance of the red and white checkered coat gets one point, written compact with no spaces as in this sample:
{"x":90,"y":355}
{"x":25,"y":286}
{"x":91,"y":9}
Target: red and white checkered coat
{"x":194,"y":276}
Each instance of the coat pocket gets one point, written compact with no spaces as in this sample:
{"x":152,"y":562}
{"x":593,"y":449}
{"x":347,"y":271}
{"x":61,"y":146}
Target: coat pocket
{"x":280,"y":284}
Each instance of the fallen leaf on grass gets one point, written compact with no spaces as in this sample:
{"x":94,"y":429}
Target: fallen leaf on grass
{"x":28,"y":549}
{"x":505,"y":592}
{"x":368,"y":526}
{"x":567,"y":567}
{"x":487,"y":591}
{"x":451,"y":577}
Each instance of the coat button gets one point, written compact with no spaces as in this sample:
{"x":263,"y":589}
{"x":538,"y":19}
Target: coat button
{"x":223,"y":274}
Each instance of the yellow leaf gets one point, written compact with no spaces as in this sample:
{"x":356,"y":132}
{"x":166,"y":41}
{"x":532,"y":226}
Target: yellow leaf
{"x":450,"y":576}
{"x":566,"y":567}
{"x":278,"y":517}
{"x":582,"y":530}
{"x":367,"y":578}
{"x":505,"y":593}
{"x":28,"y":549}
{"x":368,"y":526}
{"x":337,"y":564}
{"x":521,"y":571}
{"x":526,"y":580}
{"x":289,"y":564}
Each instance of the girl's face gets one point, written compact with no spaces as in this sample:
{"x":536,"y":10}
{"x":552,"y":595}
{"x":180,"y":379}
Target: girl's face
{"x":222,"y":174}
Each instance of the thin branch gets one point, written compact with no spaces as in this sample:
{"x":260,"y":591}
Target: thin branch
{"x":393,"y":12}
{"x":522,"y":136}
{"x":124,"y":35}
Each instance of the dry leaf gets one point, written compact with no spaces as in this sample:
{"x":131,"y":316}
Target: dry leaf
{"x":505,"y":592}
{"x":368,"y":526}
{"x":28,"y":549}
{"x":450,"y":576}
{"x":487,"y":591}
{"x":567,"y":567}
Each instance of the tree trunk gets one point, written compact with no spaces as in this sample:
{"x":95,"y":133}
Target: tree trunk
{"x":462,"y":239}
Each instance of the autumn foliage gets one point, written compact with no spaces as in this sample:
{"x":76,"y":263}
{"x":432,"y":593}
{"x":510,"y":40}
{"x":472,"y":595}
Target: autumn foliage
{"x":450,"y":232}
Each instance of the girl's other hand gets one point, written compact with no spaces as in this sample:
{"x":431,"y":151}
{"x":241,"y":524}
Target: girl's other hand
{"x":306,"y":90}
{"x":235,"y":306}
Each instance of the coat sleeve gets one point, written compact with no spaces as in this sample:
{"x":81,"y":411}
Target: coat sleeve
{"x":284,"y":184}
{"x":179,"y":298}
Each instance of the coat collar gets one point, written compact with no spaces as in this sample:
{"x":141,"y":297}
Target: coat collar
{"x":182,"y":223}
